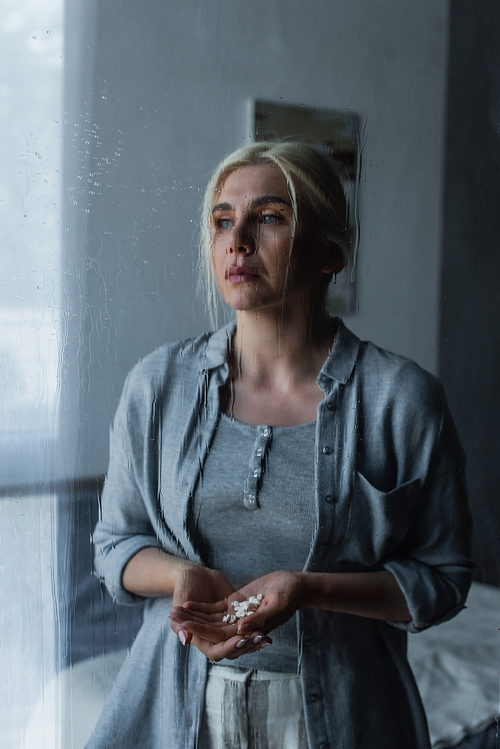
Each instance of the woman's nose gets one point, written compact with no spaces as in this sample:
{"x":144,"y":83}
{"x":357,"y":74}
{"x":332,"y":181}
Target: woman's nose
{"x":242,"y":240}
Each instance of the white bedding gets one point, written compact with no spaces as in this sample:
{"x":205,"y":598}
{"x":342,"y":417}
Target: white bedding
{"x":457,"y":668}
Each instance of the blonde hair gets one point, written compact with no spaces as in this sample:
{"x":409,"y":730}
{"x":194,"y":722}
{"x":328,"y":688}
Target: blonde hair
{"x":311,"y":178}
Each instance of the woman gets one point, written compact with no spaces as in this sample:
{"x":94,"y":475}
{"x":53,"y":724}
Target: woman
{"x":280,"y":456}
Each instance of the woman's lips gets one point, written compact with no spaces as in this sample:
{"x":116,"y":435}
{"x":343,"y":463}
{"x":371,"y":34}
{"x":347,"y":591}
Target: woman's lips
{"x":241,"y":274}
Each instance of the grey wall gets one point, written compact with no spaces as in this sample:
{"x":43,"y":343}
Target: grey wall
{"x":157,"y":93}
{"x":470,"y":322}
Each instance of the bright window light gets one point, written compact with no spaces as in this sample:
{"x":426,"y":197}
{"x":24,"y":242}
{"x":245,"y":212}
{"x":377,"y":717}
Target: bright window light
{"x":31,"y":60}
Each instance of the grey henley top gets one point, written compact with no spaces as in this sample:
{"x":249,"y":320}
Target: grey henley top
{"x":253,"y":513}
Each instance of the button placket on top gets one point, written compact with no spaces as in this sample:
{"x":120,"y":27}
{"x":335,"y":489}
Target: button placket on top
{"x":253,"y":482}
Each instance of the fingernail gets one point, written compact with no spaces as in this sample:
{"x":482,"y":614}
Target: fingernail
{"x":183,"y":637}
{"x":264,"y":645}
{"x":257,"y":639}
{"x":241,"y":643}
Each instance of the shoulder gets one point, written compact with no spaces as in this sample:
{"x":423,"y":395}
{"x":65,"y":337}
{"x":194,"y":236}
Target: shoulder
{"x":170,"y":357}
{"x":389,"y":388}
{"x":402,"y":404}
{"x":169,"y":368}
{"x":397,"y":377}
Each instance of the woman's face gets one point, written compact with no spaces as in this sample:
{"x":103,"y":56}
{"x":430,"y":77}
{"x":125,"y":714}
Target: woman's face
{"x":254,"y":262}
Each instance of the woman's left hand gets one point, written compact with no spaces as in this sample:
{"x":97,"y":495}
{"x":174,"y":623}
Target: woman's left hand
{"x":282,"y":594}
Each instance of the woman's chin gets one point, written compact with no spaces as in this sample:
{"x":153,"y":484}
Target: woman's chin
{"x":245,"y":300}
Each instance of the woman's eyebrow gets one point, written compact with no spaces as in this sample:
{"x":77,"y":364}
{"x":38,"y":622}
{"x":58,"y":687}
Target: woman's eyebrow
{"x":266,"y":199}
{"x":222,"y":207}
{"x":257,"y":203}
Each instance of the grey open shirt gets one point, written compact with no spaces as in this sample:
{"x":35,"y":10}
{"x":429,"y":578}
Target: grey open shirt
{"x":389,"y":491}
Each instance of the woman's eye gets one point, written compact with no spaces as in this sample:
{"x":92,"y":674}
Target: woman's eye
{"x":224,"y":223}
{"x":269,"y":219}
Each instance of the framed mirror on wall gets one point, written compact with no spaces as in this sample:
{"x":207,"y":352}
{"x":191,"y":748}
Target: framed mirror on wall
{"x":101,"y":214}
{"x":338,"y":132}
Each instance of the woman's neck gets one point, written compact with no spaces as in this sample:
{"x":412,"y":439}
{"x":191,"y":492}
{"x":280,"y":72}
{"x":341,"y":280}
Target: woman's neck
{"x":280,"y":347}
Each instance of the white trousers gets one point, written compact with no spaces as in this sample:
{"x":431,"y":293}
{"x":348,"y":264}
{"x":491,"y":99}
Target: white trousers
{"x":247,"y":709}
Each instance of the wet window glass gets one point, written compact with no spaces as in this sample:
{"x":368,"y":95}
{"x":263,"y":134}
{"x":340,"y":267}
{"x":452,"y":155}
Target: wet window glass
{"x":247,"y":337}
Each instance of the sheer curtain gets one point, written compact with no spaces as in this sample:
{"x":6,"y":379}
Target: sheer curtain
{"x":31,"y":122}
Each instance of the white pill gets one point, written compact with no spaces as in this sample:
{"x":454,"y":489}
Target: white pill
{"x":242,"y":608}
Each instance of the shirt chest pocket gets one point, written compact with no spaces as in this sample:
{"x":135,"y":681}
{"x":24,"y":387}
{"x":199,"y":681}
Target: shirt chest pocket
{"x":378,"y":521}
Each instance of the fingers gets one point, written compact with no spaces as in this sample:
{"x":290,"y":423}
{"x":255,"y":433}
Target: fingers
{"x":219,"y":643}
{"x":220,"y":607}
{"x":244,"y":647}
{"x":251,"y":623}
{"x":181,"y":614}
{"x":233,"y":648}
{"x":213,"y":632}
{"x":210,"y":627}
{"x":184,"y":636}
{"x":245,"y":628}
{"x":209,"y":632}
{"x":264,"y":621}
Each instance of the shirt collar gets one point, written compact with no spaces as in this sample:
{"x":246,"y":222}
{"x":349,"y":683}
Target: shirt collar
{"x":338,"y":366}
{"x":215,"y":353}
{"x":342,"y":358}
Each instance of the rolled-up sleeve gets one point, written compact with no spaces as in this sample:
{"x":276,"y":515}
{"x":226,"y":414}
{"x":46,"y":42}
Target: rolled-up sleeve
{"x":433,"y":595}
{"x":433,"y":567}
{"x":124,"y":526}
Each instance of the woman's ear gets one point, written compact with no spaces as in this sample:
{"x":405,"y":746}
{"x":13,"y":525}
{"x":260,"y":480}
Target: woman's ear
{"x":334,"y":258}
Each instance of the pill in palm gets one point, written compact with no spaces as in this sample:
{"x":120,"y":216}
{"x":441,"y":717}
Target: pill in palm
{"x":242,"y":608}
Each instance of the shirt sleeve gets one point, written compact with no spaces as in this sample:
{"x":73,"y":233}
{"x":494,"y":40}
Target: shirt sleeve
{"x":434,"y":569}
{"x":124,"y":525}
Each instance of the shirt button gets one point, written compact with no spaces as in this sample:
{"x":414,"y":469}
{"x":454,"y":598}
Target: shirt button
{"x":329,"y":498}
{"x":327,"y":449}
{"x":323,"y":745}
{"x":331,"y":406}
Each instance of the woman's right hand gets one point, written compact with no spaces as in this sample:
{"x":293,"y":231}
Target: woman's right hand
{"x":203,"y":585}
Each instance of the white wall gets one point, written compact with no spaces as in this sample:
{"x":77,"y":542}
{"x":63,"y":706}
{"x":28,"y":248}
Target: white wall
{"x":163,"y":98}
